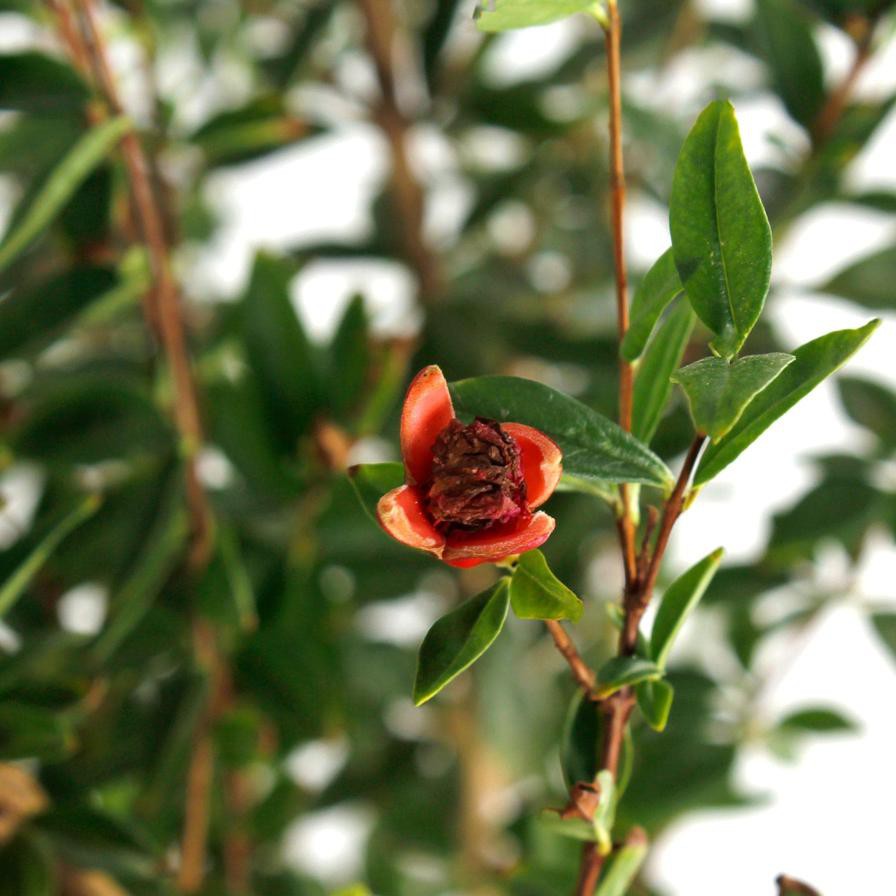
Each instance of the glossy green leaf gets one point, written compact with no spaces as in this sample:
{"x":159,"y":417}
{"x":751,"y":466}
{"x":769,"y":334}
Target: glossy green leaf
{"x":655,"y":702}
{"x":817,"y":719}
{"x":606,"y":491}
{"x":580,"y":743}
{"x":593,"y":446}
{"x":372,"y":481}
{"x":871,"y":405}
{"x":13,"y":588}
{"x":279,"y":351}
{"x":60,"y":186}
{"x":458,"y":639}
{"x":871,"y":281}
{"x":622,"y":671}
{"x":504,"y":15}
{"x":661,"y":284}
{"x":885,"y":626}
{"x":794,"y":60}
{"x":718,"y":391}
{"x":536,"y":593}
{"x":720,"y":235}
{"x":622,"y":866}
{"x":678,"y":602}
{"x":814,"y":362}
{"x":653,"y":377}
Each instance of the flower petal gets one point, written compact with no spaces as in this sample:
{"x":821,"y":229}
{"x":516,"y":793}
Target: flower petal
{"x":427,"y":411}
{"x":401,"y":514}
{"x":500,"y":542}
{"x":542,"y":462}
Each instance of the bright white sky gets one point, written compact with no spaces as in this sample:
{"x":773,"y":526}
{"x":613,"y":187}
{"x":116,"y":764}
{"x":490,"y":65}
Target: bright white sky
{"x":829,"y":817}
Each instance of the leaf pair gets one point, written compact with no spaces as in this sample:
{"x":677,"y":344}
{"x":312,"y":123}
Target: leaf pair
{"x":460,"y":637}
{"x":504,"y":15}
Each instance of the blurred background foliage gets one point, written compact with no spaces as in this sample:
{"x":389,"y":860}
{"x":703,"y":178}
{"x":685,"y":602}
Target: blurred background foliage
{"x":108,"y":682}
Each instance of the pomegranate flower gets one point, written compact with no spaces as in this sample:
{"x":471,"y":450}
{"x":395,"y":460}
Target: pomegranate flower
{"x":471,"y":490}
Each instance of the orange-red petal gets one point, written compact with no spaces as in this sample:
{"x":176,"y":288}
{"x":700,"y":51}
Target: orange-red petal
{"x":401,"y":514}
{"x":541,"y":459}
{"x":500,"y":542}
{"x":427,"y":411}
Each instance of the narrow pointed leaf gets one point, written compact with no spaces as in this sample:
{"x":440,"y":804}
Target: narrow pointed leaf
{"x":61,"y":185}
{"x":622,"y":671}
{"x":458,"y":639}
{"x":720,"y":235}
{"x":536,"y":593}
{"x":661,"y":284}
{"x":885,"y":626}
{"x":814,"y":362}
{"x":652,"y":379}
{"x":785,"y":36}
{"x":14,"y":587}
{"x":372,"y":481}
{"x":678,"y":601}
{"x":871,"y":281}
{"x":871,"y":405}
{"x":719,"y":391}
{"x":504,"y":15}
{"x":655,"y":702}
{"x":623,"y":865}
{"x":593,"y":446}
{"x":574,"y":828}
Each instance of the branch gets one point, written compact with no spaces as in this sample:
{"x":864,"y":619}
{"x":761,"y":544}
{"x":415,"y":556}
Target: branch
{"x":163,"y":312}
{"x":583,"y":675}
{"x":381,"y":28}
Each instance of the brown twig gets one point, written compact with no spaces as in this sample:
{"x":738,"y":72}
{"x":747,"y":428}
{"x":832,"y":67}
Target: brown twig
{"x":381,"y":29}
{"x":163,"y":311}
{"x":832,"y":111}
{"x":581,"y":672}
{"x":790,"y":886}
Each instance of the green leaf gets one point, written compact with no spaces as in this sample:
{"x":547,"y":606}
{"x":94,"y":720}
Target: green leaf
{"x":34,"y":316}
{"x":593,"y":446}
{"x":605,"y":813}
{"x":32,"y":82}
{"x":29,"y":866}
{"x":720,"y":235}
{"x":536,"y":593}
{"x":661,"y":284}
{"x":61,"y":184}
{"x":372,"y":481}
{"x":818,"y":719}
{"x":606,"y":491}
{"x":580,"y":743}
{"x":574,"y":828}
{"x":652,"y":378}
{"x":870,"y":282}
{"x":15,"y":585}
{"x":814,"y":362}
{"x":28,"y":730}
{"x":458,"y":639}
{"x":655,"y":702}
{"x":718,"y":391}
{"x":871,"y":405}
{"x":622,"y":671}
{"x":622,"y":866}
{"x":279,"y":351}
{"x":349,"y":357}
{"x":507,"y":14}
{"x":885,"y":626}
{"x":678,"y":601}
{"x":795,"y":63}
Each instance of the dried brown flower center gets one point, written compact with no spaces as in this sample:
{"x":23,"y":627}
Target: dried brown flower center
{"x":477,"y":478}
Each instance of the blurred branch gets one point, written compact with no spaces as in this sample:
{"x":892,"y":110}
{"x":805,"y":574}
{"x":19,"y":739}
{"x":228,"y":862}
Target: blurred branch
{"x":164,"y":310}
{"x":381,"y":30}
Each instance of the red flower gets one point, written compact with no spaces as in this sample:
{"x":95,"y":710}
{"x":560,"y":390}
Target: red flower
{"x":470,"y":491}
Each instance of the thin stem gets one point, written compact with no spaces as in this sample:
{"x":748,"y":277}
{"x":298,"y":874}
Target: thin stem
{"x":580,"y":671}
{"x":381,"y":30}
{"x":163,"y":311}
